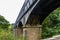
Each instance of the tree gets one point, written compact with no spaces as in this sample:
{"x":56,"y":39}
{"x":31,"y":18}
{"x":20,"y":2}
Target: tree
{"x":3,"y":23}
{"x":51,"y":25}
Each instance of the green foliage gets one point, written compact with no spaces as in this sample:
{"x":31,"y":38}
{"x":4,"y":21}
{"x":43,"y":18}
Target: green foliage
{"x":3,"y":23}
{"x":8,"y":34}
{"x":6,"y":30}
{"x":51,"y":25}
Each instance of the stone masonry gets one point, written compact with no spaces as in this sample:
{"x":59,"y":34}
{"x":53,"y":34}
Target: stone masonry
{"x":32,"y":32}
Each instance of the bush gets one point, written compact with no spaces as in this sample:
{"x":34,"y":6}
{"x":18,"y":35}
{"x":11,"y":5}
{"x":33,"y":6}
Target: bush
{"x":51,"y":25}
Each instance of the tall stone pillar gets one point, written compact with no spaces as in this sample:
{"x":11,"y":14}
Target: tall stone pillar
{"x":32,"y":32}
{"x":15,"y":31}
{"x":18,"y":32}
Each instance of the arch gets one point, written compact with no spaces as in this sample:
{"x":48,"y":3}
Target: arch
{"x":44,"y":8}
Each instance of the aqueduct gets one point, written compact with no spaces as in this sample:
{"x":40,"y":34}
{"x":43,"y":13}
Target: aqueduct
{"x":31,"y":16}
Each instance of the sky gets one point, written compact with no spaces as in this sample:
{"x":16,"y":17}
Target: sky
{"x":10,"y":9}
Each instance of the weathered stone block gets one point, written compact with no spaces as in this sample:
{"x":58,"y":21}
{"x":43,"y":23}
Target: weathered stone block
{"x":32,"y":32}
{"x":18,"y":32}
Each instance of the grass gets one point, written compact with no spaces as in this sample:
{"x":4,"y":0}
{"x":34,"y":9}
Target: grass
{"x":8,"y":35}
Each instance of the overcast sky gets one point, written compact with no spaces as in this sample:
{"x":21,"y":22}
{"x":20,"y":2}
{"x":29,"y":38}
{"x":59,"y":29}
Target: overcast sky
{"x":10,"y":9}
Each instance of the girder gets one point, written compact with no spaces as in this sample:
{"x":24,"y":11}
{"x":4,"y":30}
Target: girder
{"x":40,"y":7}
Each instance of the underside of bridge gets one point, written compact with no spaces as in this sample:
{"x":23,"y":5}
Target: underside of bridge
{"x":44,"y":8}
{"x":40,"y":12}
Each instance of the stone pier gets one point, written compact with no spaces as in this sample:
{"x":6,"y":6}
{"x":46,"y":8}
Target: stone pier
{"x":32,"y":32}
{"x":18,"y":32}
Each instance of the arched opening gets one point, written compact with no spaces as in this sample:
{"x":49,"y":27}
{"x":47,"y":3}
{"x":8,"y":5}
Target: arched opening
{"x":43,"y":10}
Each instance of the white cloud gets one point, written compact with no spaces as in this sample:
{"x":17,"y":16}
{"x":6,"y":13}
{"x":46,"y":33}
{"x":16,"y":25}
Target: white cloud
{"x":10,"y":9}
